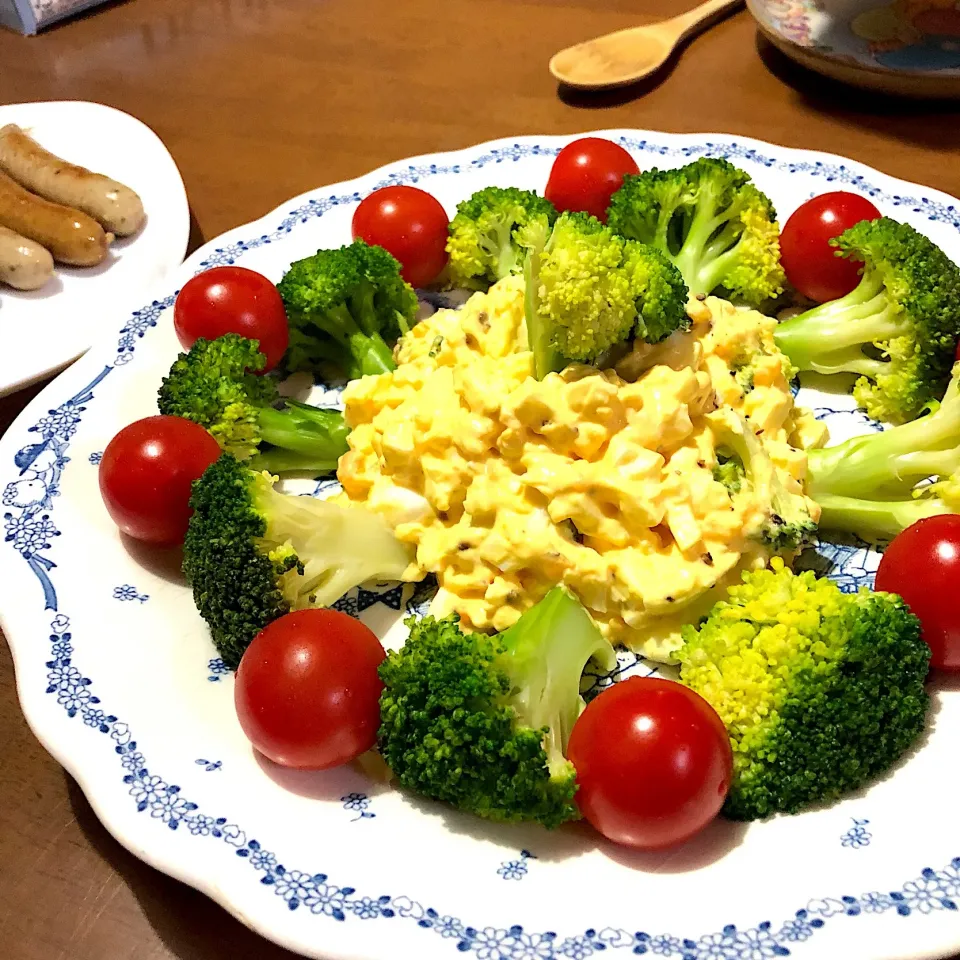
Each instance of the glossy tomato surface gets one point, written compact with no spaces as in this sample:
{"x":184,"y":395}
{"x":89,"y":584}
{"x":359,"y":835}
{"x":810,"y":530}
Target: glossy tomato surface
{"x":653,"y":763}
{"x":232,"y":300}
{"x":408,"y":223}
{"x":586,"y":174}
{"x":146,"y":475}
{"x":810,"y":262}
{"x":307,"y":690}
{"x":922,"y":564}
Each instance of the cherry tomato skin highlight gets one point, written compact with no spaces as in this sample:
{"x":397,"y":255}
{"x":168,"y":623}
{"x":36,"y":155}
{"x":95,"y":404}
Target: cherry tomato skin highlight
{"x":232,"y":300}
{"x":653,"y":762}
{"x":810,"y":262}
{"x":146,"y":475}
{"x":922,"y":564}
{"x":307,"y":691}
{"x":408,"y":223}
{"x":586,"y":174}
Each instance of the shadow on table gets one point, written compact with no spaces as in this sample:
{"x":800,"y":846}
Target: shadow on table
{"x":192,"y":926}
{"x":196,"y":239}
{"x":894,"y":116}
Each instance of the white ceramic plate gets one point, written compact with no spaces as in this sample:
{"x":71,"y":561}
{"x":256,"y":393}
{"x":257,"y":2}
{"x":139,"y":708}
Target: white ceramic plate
{"x":119,"y":680}
{"x":46,"y":329}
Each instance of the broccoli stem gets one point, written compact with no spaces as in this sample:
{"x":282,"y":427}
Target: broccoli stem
{"x":545,"y":653}
{"x":875,"y":519}
{"x":370,"y":353}
{"x":693,"y":257}
{"x":894,"y":460}
{"x":503,"y":248}
{"x":710,"y":249}
{"x":303,"y":439}
{"x":546,"y":357}
{"x":829,"y":338}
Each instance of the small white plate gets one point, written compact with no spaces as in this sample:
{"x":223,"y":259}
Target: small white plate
{"x":44,"y":330}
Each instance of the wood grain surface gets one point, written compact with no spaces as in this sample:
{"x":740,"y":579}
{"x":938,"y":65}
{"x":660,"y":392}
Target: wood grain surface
{"x":260,"y":100}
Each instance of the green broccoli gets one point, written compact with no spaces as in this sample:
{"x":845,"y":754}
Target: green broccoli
{"x":884,"y":519}
{"x":786,"y":525}
{"x":875,"y":485}
{"x":491,"y":232}
{"x":483,"y":722}
{"x":252,"y":554}
{"x":711,"y":221}
{"x":819,"y":690}
{"x":729,"y":470}
{"x":898,"y":329}
{"x":893,"y":461}
{"x":216,"y":385}
{"x":588,"y":290}
{"x":344,"y":308}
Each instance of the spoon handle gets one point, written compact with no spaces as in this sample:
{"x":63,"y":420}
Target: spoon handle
{"x":700,"y":17}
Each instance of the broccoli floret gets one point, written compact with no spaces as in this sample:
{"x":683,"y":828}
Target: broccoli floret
{"x":898,"y":329}
{"x":491,"y":232}
{"x":785,"y":524}
{"x":589,"y":290}
{"x":216,"y":385}
{"x":729,"y":471}
{"x":483,"y":722}
{"x":252,"y":554}
{"x":893,"y":461}
{"x":819,"y":690}
{"x":873,"y":485}
{"x":344,"y":307}
{"x":711,"y":221}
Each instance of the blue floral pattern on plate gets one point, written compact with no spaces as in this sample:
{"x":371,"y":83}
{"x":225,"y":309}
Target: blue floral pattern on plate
{"x":516,"y":869}
{"x":129,"y":592}
{"x":857,"y":836}
{"x":358,"y":803}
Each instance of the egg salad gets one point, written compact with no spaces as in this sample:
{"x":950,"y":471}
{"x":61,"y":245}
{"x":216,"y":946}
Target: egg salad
{"x":606,"y":481}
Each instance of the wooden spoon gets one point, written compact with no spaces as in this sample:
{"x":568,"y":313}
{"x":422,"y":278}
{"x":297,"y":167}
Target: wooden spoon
{"x":626,"y":56}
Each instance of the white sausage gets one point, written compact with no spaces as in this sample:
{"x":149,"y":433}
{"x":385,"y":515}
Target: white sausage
{"x":116,"y":207}
{"x":24,"y":264}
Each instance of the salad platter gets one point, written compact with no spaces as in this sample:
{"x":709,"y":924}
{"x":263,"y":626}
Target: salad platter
{"x":119,"y":679}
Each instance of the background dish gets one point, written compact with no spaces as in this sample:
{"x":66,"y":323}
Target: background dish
{"x":45,"y":329}
{"x":909,"y":47}
{"x":118,"y":680}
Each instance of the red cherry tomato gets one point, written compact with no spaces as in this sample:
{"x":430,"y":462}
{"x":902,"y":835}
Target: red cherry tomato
{"x":307,"y":690}
{"x":811,"y":264}
{"x":232,"y":300}
{"x":146,"y":474}
{"x":586,"y":174}
{"x":410,"y":224}
{"x":922,"y":564}
{"x":653,"y":762}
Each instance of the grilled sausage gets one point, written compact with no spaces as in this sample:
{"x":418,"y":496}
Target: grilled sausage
{"x":71,"y":236}
{"x":112,"y":204}
{"x":23,"y":264}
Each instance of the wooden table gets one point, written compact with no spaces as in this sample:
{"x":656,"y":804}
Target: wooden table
{"x":260,"y":100}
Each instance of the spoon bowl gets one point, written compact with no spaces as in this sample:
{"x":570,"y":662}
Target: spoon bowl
{"x":626,"y":56}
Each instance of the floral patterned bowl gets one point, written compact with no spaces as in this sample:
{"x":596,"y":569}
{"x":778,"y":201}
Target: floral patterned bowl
{"x":119,"y":680}
{"x":909,"y":47}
